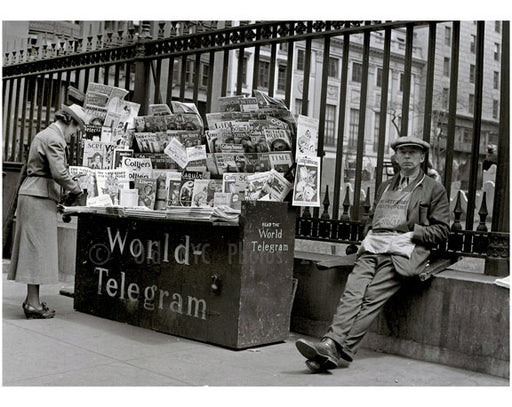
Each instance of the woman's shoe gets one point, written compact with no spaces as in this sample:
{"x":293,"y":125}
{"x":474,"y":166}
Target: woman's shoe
{"x":38,"y":313}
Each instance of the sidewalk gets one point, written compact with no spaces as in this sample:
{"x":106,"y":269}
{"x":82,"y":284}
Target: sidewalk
{"x":76,"y":349}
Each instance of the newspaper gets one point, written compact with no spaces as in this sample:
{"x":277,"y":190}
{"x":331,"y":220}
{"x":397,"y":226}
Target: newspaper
{"x":268,"y":186}
{"x":307,"y":136}
{"x":86,"y":178}
{"x":307,"y":182}
{"x":178,"y":152}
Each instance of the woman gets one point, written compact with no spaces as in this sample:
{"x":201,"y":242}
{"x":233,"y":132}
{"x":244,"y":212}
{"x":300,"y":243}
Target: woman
{"x":34,"y":259}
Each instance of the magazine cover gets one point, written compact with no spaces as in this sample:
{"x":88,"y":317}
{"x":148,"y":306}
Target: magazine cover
{"x":119,"y":154}
{"x":277,"y":186}
{"x":147,"y":191}
{"x":307,"y":182}
{"x":163,"y":178}
{"x":196,"y":156}
{"x":307,"y":136}
{"x":229,"y":103}
{"x":249,"y":104}
{"x":204,"y":191}
{"x":256,"y":184}
{"x":110,"y":182}
{"x":137,"y":167}
{"x":94,"y":155}
{"x":173,"y":189}
{"x":178,"y":152}
{"x":278,"y":139}
{"x":86,"y":178}
{"x":281,"y":162}
{"x":160,"y":109}
{"x":159,"y":161}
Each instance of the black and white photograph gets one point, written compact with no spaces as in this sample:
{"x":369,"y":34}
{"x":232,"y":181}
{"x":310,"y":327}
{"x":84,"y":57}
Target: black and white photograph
{"x":314,"y":204}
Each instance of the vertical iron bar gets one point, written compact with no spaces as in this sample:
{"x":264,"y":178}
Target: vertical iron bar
{"x":477,"y":122}
{"x":209,"y":90}
{"x":77,"y":78}
{"x":183,"y":78}
{"x":452,"y":108}
{"x":117,"y":70}
{"x":501,"y":217}
{"x":289,"y":71}
{"x":240,"y":70}
{"x":323,"y":95}
{"x":106,"y":70}
{"x":86,"y":79}
{"x":33,"y":87}
{"x":197,"y":78}
{"x":361,"y":129}
{"x":383,"y":115}
{"x":49,"y":96}
{"x":429,"y":88}
{"x":256,"y":64}
{"x":225,"y":71}
{"x":127,"y":75}
{"x":341,"y":126}
{"x":272,"y":71}
{"x":23,"y":118}
{"x":7,"y":135}
{"x":96,"y":75}
{"x":15,"y":119}
{"x":40,"y":91}
{"x":307,"y":72}
{"x":170,"y":78}
{"x":58,"y":97}
{"x":406,"y":94}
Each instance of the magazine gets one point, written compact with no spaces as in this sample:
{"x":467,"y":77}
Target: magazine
{"x":249,"y":104}
{"x":94,"y":155}
{"x":147,"y":191}
{"x":137,"y":167}
{"x":163,"y":178}
{"x":281,"y":162}
{"x":178,"y":152}
{"x":173,"y":189}
{"x":86,"y":178}
{"x":161,"y":109}
{"x":204,"y":191}
{"x":110,"y":182}
{"x":158,"y":160}
{"x":277,"y":186}
{"x":229,"y":103}
{"x":307,"y":182}
{"x":119,"y":154}
{"x":307,"y":136}
{"x":256,"y":186}
{"x":278,"y":139}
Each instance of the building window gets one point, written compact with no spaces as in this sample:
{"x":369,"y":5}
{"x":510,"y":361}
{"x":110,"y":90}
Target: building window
{"x":401,"y":82}
{"x":298,"y":107}
{"x":376,"y":131}
{"x":471,"y":103}
{"x":471,"y":73}
{"x":357,"y":72}
{"x":333,"y":67}
{"x":496,"y":51}
{"x":205,"y":74}
{"x":446,"y":66}
{"x":354,"y":128}
{"x":190,"y":74}
{"x":264,"y":70}
{"x":496,"y":80}
{"x":445,"y":96}
{"x":300,"y":59}
{"x":497,"y":26}
{"x":467,"y":139}
{"x":330,"y":124}
{"x":281,"y":77}
{"x":379,"y":77}
{"x":472,"y":43}
{"x":494,"y":109}
{"x":283,"y":46}
{"x":447,"y":35}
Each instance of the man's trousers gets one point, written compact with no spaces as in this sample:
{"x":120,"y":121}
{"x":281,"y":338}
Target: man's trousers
{"x":370,"y":284}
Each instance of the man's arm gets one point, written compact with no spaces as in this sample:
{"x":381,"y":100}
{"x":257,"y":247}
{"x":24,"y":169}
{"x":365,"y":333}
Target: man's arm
{"x":438,"y":229}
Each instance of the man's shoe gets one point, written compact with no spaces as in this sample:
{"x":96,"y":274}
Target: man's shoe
{"x":324,"y":353}
{"x":314,"y":366}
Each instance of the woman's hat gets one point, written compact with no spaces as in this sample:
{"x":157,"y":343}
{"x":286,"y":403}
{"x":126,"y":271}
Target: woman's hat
{"x":410,"y":141}
{"x":78,"y":114}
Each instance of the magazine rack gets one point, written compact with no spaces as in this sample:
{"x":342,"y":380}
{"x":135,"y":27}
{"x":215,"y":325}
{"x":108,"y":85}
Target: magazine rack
{"x":221,"y":283}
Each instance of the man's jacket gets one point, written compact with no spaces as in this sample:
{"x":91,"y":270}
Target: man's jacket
{"x":428,"y":217}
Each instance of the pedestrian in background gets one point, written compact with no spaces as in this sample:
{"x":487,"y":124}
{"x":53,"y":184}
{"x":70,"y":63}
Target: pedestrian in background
{"x":34,"y":259}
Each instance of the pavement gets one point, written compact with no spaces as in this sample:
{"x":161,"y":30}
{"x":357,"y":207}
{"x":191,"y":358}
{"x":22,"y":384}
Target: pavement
{"x":77,"y":349}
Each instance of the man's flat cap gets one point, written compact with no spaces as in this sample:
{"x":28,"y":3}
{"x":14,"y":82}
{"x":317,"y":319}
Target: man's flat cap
{"x":410,"y":141}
